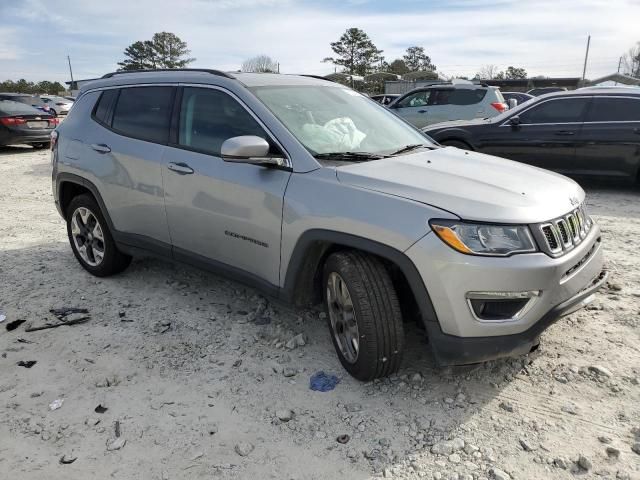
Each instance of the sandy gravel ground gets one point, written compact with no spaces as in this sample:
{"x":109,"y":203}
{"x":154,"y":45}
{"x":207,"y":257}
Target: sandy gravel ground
{"x":194,"y":387}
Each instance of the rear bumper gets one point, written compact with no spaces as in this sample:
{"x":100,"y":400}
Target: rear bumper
{"x":16,"y":138}
{"x":453,"y":350}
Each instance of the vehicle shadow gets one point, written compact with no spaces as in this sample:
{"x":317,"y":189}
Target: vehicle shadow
{"x":16,"y":149}
{"x":388,"y":421}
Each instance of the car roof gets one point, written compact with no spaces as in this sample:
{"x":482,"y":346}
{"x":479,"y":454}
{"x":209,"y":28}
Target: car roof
{"x":214,"y":77}
{"x":593,"y":92}
{"x":11,"y":94}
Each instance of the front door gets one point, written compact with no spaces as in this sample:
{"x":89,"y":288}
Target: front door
{"x":227,"y":214}
{"x":413,"y":108}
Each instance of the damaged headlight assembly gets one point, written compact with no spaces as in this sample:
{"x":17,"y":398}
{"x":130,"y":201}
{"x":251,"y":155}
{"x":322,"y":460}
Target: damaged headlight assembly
{"x":485,"y":239}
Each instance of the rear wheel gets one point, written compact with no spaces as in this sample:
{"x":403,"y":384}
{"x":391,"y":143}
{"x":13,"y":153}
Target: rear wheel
{"x":91,"y":240}
{"x":364,"y":315}
{"x":457,"y":143}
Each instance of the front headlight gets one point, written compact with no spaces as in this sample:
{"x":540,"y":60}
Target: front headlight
{"x":485,"y":239}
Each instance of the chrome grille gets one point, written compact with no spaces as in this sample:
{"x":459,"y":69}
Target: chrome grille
{"x":562,"y":234}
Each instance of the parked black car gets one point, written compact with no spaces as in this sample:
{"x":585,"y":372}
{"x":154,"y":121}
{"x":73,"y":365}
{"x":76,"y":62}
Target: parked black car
{"x":521,"y":97}
{"x":20,"y":124}
{"x":592,"y":132}
{"x":34,"y":100}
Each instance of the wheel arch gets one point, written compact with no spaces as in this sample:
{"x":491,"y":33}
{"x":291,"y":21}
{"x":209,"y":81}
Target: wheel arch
{"x":302,"y":285}
{"x":70,"y":186}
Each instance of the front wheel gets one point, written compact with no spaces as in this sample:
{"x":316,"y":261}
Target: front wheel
{"x":91,"y":240}
{"x":364,"y":315}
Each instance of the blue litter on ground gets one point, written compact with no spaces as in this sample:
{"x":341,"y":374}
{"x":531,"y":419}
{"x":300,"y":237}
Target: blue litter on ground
{"x":323,"y":382}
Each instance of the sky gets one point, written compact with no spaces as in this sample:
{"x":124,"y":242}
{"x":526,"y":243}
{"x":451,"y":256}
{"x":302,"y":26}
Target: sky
{"x":546,"y":37}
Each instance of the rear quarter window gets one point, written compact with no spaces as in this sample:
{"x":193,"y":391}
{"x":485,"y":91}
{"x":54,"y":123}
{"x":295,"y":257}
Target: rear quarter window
{"x":103,"y":106}
{"x":144,"y":113}
{"x":612,"y":109}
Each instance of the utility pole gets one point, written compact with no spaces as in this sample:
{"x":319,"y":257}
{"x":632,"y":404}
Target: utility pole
{"x":586,"y":57}
{"x":70,"y":72}
{"x":619,"y":65}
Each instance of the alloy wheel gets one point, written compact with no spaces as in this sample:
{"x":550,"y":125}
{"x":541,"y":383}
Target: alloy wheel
{"x":88,"y":236}
{"x":342,"y":316}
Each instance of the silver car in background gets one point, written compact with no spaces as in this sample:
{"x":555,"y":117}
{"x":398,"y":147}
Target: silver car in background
{"x":57,"y":105}
{"x":313,"y":193}
{"x":455,"y":101}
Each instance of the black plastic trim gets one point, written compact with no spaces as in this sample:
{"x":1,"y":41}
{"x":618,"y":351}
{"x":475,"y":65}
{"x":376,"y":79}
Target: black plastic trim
{"x":205,"y":70}
{"x":454,"y":350}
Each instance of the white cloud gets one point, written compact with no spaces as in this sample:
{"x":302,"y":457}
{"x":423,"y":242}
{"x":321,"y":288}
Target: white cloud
{"x":546,"y":37}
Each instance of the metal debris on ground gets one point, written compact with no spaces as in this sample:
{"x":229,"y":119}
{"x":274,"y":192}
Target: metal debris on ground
{"x":56,"y":404}
{"x":27,"y":364}
{"x":100,"y":409}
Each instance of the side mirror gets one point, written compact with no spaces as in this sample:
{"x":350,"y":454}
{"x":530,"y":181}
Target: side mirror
{"x":249,"y":149}
{"x":513,"y":103}
{"x":514,"y":121}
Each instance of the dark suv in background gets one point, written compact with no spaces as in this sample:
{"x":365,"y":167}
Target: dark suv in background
{"x":593,"y":132}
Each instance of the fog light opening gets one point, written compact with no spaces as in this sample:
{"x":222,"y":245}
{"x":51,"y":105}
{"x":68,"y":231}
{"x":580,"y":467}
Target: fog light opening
{"x":501,"y":306}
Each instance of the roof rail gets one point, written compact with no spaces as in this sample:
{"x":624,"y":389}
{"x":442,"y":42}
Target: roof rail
{"x":205,"y":70}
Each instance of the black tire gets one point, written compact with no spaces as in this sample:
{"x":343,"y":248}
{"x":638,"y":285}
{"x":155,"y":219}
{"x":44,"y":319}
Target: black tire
{"x":113,"y":261}
{"x":41,"y":146}
{"x":457,"y":143}
{"x":53,"y":112}
{"x":377,"y":314}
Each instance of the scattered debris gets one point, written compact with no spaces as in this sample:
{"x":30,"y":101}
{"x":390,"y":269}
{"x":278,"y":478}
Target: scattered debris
{"x":297,"y":341}
{"x":344,"y":438}
{"x":323,"y":382}
{"x":3,"y":317}
{"x":15,"y":324}
{"x":100,"y":409}
{"x":56,"y":404}
{"x":507,"y":406}
{"x":71,"y":319}
{"x":66,"y":311}
{"x":613,"y":452}
{"x":27,"y":364}
{"x":116,"y":444}
{"x":289,"y":371}
{"x":262,"y":320}
{"x":244,"y":448}
{"x":67,"y":459}
{"x":584,"y":463}
{"x":600,"y":370}
{"x":116,"y":428}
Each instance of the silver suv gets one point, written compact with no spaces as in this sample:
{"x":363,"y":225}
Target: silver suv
{"x":442,"y":103}
{"x":313,"y":193}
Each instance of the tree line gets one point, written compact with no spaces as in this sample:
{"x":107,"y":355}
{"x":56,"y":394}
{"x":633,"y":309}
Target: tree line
{"x":23,"y":86}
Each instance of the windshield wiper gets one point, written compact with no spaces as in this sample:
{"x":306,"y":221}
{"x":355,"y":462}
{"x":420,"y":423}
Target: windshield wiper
{"x":408,"y":148}
{"x":349,"y":156}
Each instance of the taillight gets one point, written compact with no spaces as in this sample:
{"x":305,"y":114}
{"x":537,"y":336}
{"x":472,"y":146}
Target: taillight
{"x":12,"y":121}
{"x":501,"y":107}
{"x":53,"y":121}
{"x":54,"y":139}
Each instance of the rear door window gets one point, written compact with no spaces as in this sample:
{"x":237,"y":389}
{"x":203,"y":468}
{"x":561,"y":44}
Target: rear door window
{"x":208,"y":117}
{"x":144,"y":113}
{"x":460,"y":96}
{"x":9,"y":107}
{"x":561,"y":110}
{"x":614,"y":109}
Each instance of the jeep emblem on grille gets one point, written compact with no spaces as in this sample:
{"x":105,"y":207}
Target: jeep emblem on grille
{"x":574,"y":201}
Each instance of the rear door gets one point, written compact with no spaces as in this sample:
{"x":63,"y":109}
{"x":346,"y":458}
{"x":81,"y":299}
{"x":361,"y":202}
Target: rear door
{"x":413,"y":108}
{"x":123,"y":150}
{"x":222,"y":213}
{"x":546,"y":136}
{"x":609,"y":143}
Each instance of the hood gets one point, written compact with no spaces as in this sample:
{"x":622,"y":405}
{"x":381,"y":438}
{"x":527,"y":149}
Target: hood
{"x":470,"y":185}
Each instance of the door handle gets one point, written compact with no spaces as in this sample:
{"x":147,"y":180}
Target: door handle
{"x":422,"y":111}
{"x":181,"y":168}
{"x":565,"y":133}
{"x":101,"y":147}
